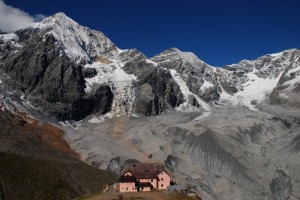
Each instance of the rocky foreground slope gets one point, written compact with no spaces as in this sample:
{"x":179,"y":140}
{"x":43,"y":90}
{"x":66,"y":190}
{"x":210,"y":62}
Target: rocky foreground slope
{"x":232,"y":131}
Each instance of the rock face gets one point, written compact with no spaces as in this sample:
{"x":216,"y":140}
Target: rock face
{"x":49,"y":78}
{"x":233,"y":132}
{"x":199,"y":76}
{"x":157,"y":90}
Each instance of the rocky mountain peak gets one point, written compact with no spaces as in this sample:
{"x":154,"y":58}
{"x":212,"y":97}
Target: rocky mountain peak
{"x":269,"y":65}
{"x":79,"y":42}
{"x":62,"y":16}
{"x":56,"y":22}
{"x":176,"y":55}
{"x":284,"y":53}
{"x":59,"y":18}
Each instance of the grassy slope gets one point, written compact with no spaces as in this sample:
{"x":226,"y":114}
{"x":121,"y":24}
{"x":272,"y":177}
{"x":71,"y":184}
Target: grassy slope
{"x":25,"y":177}
{"x":33,"y":169}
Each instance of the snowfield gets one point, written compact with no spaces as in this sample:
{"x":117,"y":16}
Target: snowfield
{"x":255,"y":90}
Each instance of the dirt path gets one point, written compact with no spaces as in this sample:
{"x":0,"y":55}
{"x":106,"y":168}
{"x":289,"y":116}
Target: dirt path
{"x":153,"y":195}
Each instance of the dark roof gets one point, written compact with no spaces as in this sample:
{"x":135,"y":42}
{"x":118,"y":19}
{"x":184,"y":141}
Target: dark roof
{"x":127,"y":179}
{"x":145,"y":170}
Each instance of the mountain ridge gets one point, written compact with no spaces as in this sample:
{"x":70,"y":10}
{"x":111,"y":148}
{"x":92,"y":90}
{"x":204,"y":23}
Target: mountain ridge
{"x":90,"y":56}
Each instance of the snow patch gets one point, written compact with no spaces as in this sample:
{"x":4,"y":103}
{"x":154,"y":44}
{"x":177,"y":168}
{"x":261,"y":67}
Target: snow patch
{"x":186,"y":93}
{"x":71,"y":124}
{"x":296,"y":69}
{"x":134,"y":115}
{"x":276,"y":55}
{"x":206,"y":85}
{"x":95,"y":120}
{"x":283,"y":95}
{"x":203,"y":115}
{"x":9,"y":37}
{"x":292,"y":83}
{"x":99,"y":119}
{"x":296,"y":80}
{"x":152,"y":62}
{"x":162,"y":61}
{"x":107,"y":73}
{"x":214,"y":69}
{"x":121,"y":50}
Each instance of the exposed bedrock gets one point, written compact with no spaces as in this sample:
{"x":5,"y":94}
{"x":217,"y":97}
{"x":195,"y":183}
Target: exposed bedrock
{"x":156,"y":90}
{"x":50,"y":81}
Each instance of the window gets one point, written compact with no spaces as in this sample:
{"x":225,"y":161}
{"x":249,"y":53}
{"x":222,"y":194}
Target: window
{"x":126,"y":188}
{"x":162,"y":179}
{"x":162,"y":185}
{"x":162,"y":173}
{"x":133,"y":188}
{"x":151,"y":179}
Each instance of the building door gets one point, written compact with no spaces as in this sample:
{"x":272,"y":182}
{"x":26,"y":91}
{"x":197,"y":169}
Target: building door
{"x":137,"y":185}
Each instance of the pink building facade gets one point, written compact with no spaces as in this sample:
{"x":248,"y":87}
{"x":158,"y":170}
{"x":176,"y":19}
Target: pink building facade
{"x":140,"y":177}
{"x":163,"y":181}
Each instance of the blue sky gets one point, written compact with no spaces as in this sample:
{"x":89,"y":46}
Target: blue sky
{"x":219,"y":32}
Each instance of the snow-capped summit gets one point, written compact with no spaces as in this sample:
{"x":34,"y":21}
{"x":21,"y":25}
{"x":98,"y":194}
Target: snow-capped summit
{"x":255,"y":80}
{"x":195,"y":77}
{"x":176,"y":55}
{"x":268,"y":65}
{"x":79,"y":42}
{"x":56,"y":18}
